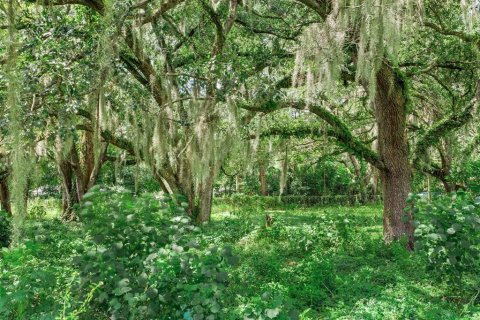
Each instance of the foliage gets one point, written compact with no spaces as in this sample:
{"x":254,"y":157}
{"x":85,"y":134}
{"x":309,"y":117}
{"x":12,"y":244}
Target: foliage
{"x":275,"y":95}
{"x":467,"y":173}
{"x":36,"y":211}
{"x":448,"y":234}
{"x":143,"y":253}
{"x":129,"y":177}
{"x":36,"y":276}
{"x":311,"y":264}
{"x":246,"y":202}
{"x":5,"y":229}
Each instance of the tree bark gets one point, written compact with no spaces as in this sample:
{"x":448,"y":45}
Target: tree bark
{"x":78,"y":172}
{"x":446,"y":168}
{"x":263,"y":178}
{"x":5,"y":197}
{"x":95,"y":172}
{"x":69,"y":192}
{"x":361,"y":185}
{"x":78,"y":175}
{"x":356,"y":166}
{"x":205,"y":196}
{"x":390,"y":114}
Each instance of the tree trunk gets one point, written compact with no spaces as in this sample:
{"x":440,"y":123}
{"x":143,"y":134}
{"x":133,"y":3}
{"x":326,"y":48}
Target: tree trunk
{"x":205,"y":197}
{"x":390,"y":114}
{"x":449,"y":187}
{"x":361,"y":183}
{"x":185,"y":187}
{"x":5,"y":196}
{"x":95,"y":173}
{"x":77,"y":171}
{"x":87,"y":161}
{"x":263,"y":178}
{"x":446,"y":168}
{"x":237,"y":183}
{"x":69,"y":192}
{"x":356,"y":166}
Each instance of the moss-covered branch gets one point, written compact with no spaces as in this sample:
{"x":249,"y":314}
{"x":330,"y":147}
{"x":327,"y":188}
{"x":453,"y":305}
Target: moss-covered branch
{"x":439,"y":130}
{"x":344,"y":137}
{"x":164,"y":7}
{"x":322,"y":7}
{"x":96,"y":5}
{"x":107,"y":135}
{"x":338,"y":129}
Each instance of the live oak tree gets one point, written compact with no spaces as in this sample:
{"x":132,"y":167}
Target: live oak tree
{"x":181,"y":142}
{"x":174,"y":84}
{"x":342,"y":47}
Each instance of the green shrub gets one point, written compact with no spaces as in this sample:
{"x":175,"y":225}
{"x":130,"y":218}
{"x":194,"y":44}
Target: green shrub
{"x":36,"y":274}
{"x":272,"y":302}
{"x":448,"y":234}
{"x":468,"y":173}
{"x":5,"y":229}
{"x":36,"y":211}
{"x":143,"y":253}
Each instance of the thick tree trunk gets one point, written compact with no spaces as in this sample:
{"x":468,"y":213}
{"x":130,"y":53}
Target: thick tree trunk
{"x":205,"y":197}
{"x":390,"y":113}
{"x":85,"y":167}
{"x":69,"y":190}
{"x":263,"y":178}
{"x":199,"y":199}
{"x":185,"y":187}
{"x":78,"y":175}
{"x":5,"y":196}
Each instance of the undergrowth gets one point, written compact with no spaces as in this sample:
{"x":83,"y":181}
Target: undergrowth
{"x":141,"y":258}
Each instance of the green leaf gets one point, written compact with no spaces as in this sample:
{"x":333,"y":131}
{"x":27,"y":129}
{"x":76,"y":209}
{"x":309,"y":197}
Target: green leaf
{"x":233,"y":260}
{"x":121,"y":291}
{"x":272,"y":313}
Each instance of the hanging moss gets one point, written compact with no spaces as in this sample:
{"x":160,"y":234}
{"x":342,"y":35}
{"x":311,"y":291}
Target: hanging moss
{"x":106,"y":54}
{"x":20,"y":165}
{"x":375,"y":26}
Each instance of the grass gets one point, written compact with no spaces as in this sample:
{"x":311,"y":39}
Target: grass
{"x":312,"y":263}
{"x":331,"y":263}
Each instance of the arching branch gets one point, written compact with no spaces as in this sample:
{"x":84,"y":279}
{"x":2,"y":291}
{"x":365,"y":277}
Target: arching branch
{"x":164,"y":7}
{"x":107,"y":135}
{"x":96,"y":5}
{"x":441,"y":129}
{"x":338,"y":129}
{"x":321,"y":7}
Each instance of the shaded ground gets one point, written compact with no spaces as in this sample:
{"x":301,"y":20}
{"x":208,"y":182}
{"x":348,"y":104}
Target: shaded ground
{"x":330,"y":263}
{"x":313,"y":263}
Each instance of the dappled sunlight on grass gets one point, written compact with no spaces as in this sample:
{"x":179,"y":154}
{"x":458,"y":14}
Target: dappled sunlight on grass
{"x":333,"y":264}
{"x":49,"y":209}
{"x":311,"y":263}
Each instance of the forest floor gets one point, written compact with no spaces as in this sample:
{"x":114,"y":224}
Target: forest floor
{"x":312,"y":263}
{"x":331,"y":263}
